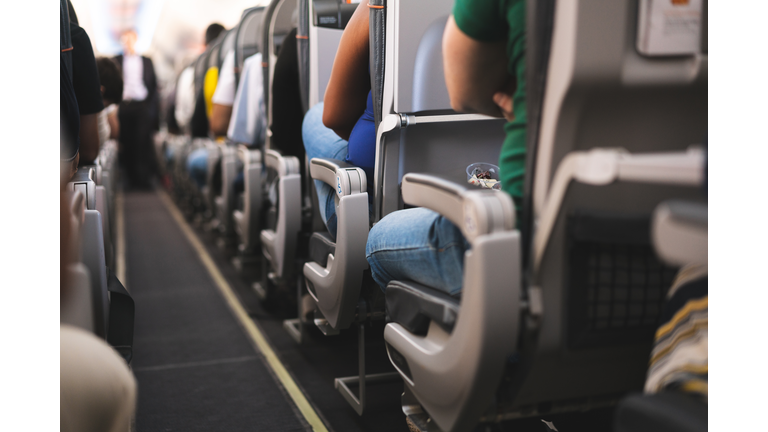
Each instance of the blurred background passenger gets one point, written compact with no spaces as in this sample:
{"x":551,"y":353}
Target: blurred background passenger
{"x":138,"y":113}
{"x":112,"y":94}
{"x":197,"y":162}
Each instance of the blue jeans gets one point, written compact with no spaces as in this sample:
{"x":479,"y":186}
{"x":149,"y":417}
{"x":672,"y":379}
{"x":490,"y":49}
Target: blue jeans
{"x":417,"y":245}
{"x":197,"y":166}
{"x":321,"y":142}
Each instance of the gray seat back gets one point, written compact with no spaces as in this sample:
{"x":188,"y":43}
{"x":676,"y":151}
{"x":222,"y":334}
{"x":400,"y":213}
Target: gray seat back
{"x":302,"y":51}
{"x":277,"y":24}
{"x":326,"y":20}
{"x":248,"y":37}
{"x":596,"y":287}
{"x":419,"y":132}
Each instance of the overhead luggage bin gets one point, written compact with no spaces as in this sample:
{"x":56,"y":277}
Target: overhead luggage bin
{"x":611,"y":135}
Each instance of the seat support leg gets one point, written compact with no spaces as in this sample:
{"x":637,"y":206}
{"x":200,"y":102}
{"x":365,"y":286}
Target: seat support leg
{"x":343,"y":384}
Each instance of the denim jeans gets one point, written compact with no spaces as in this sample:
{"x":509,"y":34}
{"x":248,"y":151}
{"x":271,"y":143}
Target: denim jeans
{"x":417,"y":245}
{"x":321,"y":142}
{"x":197,"y":166}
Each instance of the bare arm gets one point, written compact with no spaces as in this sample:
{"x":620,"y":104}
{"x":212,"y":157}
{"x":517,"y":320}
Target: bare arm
{"x":89,"y":138}
{"x":220,"y":116}
{"x":347,"y":91}
{"x":114,"y":125}
{"x":475,"y":73}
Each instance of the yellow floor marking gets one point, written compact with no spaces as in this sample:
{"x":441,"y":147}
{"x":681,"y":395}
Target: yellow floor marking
{"x":120,"y":270}
{"x":253,"y":331}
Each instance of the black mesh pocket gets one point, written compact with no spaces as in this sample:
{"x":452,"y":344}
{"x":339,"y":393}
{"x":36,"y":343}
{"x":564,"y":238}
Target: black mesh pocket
{"x":617,"y":285}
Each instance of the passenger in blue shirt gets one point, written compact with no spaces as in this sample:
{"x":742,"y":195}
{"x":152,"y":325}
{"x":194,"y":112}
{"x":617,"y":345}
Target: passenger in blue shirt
{"x":342,"y":126}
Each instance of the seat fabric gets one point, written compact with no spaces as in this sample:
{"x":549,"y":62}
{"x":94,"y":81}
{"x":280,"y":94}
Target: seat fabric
{"x":413,"y":306}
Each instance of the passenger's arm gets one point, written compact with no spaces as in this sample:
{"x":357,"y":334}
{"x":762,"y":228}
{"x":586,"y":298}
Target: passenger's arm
{"x":114,"y":125}
{"x":89,"y":138}
{"x":220,"y":116}
{"x":347,"y":91}
{"x":476,"y":73}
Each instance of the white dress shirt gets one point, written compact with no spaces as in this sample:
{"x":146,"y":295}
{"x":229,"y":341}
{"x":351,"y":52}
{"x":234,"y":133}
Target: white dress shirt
{"x":133,"y":78}
{"x":185,"y":97}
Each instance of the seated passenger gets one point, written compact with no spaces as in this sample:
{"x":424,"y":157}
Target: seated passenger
{"x":111,"y":94}
{"x":88,"y":91}
{"x":248,"y":124}
{"x":419,"y":244}
{"x":197,"y":162}
{"x":342,"y":126}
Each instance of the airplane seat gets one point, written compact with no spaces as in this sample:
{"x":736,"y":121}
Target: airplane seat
{"x":248,"y":37}
{"x":302,"y":51}
{"x":294,"y":210}
{"x":78,"y":310}
{"x":680,"y":238}
{"x":609,"y":136}
{"x":246,"y":215}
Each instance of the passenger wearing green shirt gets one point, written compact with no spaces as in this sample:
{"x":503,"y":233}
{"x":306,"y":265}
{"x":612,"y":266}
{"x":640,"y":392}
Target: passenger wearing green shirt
{"x":419,"y":244}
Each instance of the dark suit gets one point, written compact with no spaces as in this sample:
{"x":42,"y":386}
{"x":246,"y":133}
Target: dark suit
{"x":138,"y":119}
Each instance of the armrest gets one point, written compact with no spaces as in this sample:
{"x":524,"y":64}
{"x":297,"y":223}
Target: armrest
{"x":679,"y":232}
{"x":346,"y":179}
{"x":476,"y":212}
{"x":83,"y":181}
{"x":284,"y":165}
{"x":247,"y":155}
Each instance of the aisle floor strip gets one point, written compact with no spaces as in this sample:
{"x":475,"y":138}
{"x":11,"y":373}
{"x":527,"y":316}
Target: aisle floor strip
{"x":238,"y":310}
{"x":120,"y":270}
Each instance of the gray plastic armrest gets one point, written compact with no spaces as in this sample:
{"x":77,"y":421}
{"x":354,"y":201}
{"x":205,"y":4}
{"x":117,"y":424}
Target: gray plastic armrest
{"x":473,"y":355}
{"x":453,"y":376}
{"x":92,"y":252}
{"x":83,"y":181}
{"x":247,"y":220}
{"x":330,"y":171}
{"x":336,"y":287}
{"x":476,"y":212}
{"x":279,"y":246}
{"x":680,"y":232}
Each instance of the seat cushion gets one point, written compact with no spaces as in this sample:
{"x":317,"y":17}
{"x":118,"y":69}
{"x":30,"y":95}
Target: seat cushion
{"x":413,"y":306}
{"x":320,"y":245}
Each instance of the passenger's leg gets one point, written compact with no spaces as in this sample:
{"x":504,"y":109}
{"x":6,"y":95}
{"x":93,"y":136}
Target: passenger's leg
{"x":319,"y":141}
{"x":97,"y":390}
{"x":197,"y":166}
{"x":417,"y":245}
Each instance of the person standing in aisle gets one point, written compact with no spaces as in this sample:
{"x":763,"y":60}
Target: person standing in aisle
{"x":138,"y":113}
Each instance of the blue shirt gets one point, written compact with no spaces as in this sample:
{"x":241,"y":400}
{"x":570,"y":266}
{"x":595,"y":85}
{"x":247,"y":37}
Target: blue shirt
{"x":362,"y":143}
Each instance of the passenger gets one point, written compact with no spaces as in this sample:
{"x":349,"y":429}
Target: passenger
{"x":342,"y":126}
{"x":138,"y":114}
{"x":248,"y":124}
{"x":197,"y":162}
{"x":85,"y":81}
{"x":112,"y":94}
{"x":419,"y":244}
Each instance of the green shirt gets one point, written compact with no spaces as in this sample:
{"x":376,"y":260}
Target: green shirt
{"x":490,"y":21}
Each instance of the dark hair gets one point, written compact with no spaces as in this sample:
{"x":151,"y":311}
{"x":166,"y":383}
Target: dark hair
{"x":212,"y":32}
{"x":111,"y":78}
